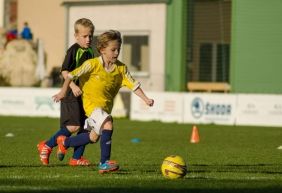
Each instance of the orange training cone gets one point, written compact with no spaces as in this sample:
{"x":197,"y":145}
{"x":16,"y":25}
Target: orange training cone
{"x":195,"y":138}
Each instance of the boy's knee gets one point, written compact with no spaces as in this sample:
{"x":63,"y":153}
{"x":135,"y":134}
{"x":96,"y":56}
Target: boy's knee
{"x":93,"y":137}
{"x":73,"y":129}
{"x":108,"y":125}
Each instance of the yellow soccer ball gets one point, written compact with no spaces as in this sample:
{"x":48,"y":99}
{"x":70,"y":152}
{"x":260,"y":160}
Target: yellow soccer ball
{"x":174,"y":167}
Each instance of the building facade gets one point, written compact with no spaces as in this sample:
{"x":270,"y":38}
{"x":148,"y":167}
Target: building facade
{"x":232,"y":41}
{"x":168,"y":43}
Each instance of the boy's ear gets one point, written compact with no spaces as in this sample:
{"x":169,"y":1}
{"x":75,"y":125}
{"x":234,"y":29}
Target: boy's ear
{"x":102,"y":50}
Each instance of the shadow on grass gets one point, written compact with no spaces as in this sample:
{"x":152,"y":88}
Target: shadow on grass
{"x":191,"y":183}
{"x":238,"y":168}
{"x":151,"y":190}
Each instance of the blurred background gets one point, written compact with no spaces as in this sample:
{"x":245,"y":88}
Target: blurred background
{"x":226,"y":46}
{"x":167,"y":43}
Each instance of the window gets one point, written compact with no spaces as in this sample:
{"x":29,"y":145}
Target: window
{"x":10,"y":14}
{"x":135,"y":53}
{"x":205,"y":73}
{"x":208,"y":42}
{"x":214,"y":62}
{"x":222,"y":59}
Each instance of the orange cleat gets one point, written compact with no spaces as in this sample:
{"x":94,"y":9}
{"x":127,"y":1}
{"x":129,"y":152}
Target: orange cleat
{"x":44,"y":152}
{"x":62,"y":150}
{"x":79,"y":162}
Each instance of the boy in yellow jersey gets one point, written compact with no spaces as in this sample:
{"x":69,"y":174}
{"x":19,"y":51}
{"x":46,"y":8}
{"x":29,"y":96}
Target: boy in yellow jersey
{"x":100,"y":80}
{"x":72,"y":113}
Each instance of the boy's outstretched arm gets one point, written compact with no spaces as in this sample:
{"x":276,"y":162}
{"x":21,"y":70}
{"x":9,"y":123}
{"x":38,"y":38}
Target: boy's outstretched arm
{"x":75,"y":89}
{"x":139,"y":92}
{"x":59,"y":96}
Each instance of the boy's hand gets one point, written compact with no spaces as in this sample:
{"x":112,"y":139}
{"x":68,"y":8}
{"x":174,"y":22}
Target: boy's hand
{"x":76,"y":90}
{"x":58,"y":97}
{"x":150,"y":102}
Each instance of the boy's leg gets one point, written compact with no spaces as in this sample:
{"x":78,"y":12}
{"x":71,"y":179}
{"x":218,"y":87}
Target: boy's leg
{"x":74,"y":115}
{"x":106,"y":165}
{"x":97,"y":120}
{"x":45,"y":148}
{"x":79,"y":150}
{"x":65,"y":142}
{"x":106,"y":145}
{"x":68,"y":114}
{"x":77,"y":158}
{"x":52,"y":142}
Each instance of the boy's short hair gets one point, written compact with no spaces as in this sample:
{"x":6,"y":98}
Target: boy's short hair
{"x":85,"y":23}
{"x":104,"y":38}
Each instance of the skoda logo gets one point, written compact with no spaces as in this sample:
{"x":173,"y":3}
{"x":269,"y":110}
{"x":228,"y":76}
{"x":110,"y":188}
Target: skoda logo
{"x":197,"y":107}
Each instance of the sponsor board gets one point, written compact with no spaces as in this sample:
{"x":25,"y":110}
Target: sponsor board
{"x":28,"y":102}
{"x":263,"y":110}
{"x":209,"y":108}
{"x":202,"y":108}
{"x":168,"y":107}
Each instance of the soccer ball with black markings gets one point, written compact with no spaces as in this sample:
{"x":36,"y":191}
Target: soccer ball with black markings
{"x":174,"y":167}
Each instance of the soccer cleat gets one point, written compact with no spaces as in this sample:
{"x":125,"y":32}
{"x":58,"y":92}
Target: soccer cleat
{"x":108,"y":166}
{"x":79,"y":162}
{"x":44,"y":152}
{"x":62,"y":150}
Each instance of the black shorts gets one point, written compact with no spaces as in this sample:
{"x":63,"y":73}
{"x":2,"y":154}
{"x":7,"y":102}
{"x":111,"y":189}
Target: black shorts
{"x":72,"y":113}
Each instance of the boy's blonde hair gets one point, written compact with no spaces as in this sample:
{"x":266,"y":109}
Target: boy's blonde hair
{"x":104,"y":38}
{"x":85,"y":23}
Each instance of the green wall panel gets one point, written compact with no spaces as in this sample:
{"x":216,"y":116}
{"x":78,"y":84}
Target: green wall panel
{"x":256,"y":46}
{"x":175,"y":72}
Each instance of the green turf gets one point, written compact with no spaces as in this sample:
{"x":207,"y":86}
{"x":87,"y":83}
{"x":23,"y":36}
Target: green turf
{"x":227,"y":159}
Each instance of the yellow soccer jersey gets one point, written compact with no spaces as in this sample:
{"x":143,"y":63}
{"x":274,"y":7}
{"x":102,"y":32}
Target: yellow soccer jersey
{"x":99,"y":86}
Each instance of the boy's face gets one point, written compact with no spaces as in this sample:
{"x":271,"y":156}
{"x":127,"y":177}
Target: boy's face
{"x":84,"y":36}
{"x":111,"y":52}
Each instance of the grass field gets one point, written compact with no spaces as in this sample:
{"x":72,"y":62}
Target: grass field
{"x":227,"y":159}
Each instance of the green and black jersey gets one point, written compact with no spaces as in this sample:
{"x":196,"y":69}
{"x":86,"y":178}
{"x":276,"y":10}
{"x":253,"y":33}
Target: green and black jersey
{"x":75,"y":56}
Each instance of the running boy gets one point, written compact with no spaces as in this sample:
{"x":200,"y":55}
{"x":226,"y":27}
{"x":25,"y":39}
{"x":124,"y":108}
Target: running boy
{"x":72,"y":112}
{"x":100,"y":80}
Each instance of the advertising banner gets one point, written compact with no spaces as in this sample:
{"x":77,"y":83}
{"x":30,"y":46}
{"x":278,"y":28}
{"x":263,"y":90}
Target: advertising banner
{"x":194,"y":108}
{"x":263,"y":110}
{"x":209,"y":108}
{"x":28,"y":102}
{"x":168,"y":107}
